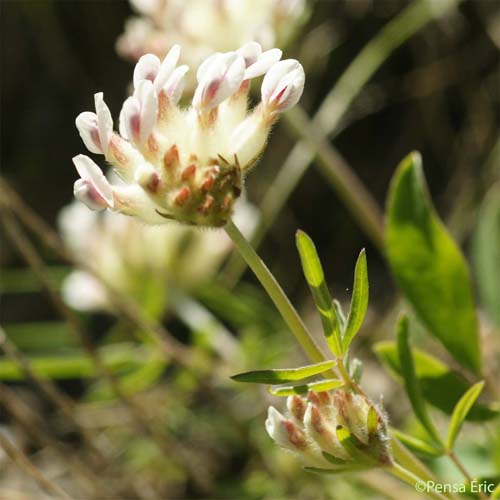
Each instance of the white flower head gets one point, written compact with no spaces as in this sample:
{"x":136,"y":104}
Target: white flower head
{"x":184,"y":164}
{"x":203,"y":27}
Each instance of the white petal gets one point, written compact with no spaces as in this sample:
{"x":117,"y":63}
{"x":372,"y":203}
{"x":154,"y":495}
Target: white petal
{"x":250,"y":52}
{"x":205,"y":65}
{"x":130,"y":118}
{"x":167,"y":67}
{"x":91,"y":173}
{"x":104,"y":121}
{"x":220,"y":80}
{"x":276,"y":429}
{"x":175,"y":84}
{"x":86,"y":123}
{"x":283,"y":84}
{"x":122,"y":128}
{"x":146,"y":69}
{"x":149,"y":109}
{"x":262,"y":65}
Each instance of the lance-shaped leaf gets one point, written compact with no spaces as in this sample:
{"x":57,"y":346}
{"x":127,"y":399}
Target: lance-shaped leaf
{"x":337,"y":470}
{"x":441,"y":387}
{"x":411,"y":382}
{"x":460,"y":412}
{"x":315,"y":277}
{"x":429,"y":267}
{"x":417,"y":445}
{"x":359,"y":301}
{"x":283,"y":375}
{"x":320,"y":386}
{"x":486,"y":254}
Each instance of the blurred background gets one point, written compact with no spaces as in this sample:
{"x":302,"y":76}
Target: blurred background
{"x":164,"y":431}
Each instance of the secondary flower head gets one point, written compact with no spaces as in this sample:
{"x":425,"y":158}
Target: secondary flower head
{"x":206,"y":26}
{"x":185,"y":164}
{"x":340,"y":431}
{"x":140,"y":259}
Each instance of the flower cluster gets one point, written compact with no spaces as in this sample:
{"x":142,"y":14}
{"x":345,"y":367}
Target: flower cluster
{"x":339,"y":431}
{"x":134,"y":257}
{"x":206,"y":26}
{"x":185,"y":164}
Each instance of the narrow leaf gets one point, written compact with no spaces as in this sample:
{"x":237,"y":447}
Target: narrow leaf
{"x":486,"y":254}
{"x":353,"y":445}
{"x":411,"y":382}
{"x":429,"y":267}
{"x":372,"y":421}
{"x":280,"y":376}
{"x":359,"y":301}
{"x":340,"y":315}
{"x":338,"y":470}
{"x":417,"y":445}
{"x":460,"y":412}
{"x":441,"y":387}
{"x":320,"y":386}
{"x":334,"y":460}
{"x":315,"y":277}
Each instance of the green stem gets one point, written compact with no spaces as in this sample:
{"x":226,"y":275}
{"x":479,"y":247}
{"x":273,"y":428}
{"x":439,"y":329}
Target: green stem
{"x":276,"y":294}
{"x":414,"y":481}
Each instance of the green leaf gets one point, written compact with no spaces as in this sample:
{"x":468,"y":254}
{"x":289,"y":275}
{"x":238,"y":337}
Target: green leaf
{"x":76,"y":364}
{"x":429,"y":267}
{"x":359,"y":301}
{"x":340,"y":315}
{"x":315,"y":277}
{"x":320,"y":386}
{"x":24,"y":280}
{"x":280,"y":376}
{"x":337,"y":470}
{"x":41,"y":336}
{"x":486,"y":254}
{"x":411,"y":382}
{"x":440,"y":386}
{"x":353,"y":446}
{"x":460,"y":412}
{"x":495,"y":495}
{"x":417,"y":445}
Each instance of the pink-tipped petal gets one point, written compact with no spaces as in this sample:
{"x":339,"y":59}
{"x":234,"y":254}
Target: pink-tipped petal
{"x":130,"y":118}
{"x":175,"y":84}
{"x":167,"y":67}
{"x":94,"y":189}
{"x":86,"y":123}
{"x":148,"y":109}
{"x":283,"y":85}
{"x":264,"y":62}
{"x":147,"y":68}
{"x":250,"y":52}
{"x":205,"y":65}
{"x":104,"y":121}
{"x":219,"y":80}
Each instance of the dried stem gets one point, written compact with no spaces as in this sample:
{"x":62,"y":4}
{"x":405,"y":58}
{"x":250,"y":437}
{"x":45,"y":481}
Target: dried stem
{"x":23,"y":462}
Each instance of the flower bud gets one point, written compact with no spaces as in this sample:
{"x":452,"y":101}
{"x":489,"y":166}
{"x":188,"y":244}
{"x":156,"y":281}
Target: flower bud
{"x":362,"y":441}
{"x":282,"y":86}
